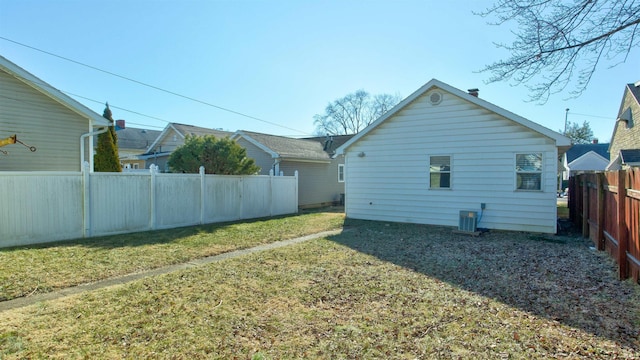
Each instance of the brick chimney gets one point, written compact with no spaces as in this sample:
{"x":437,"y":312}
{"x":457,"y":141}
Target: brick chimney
{"x":473,"y":92}
{"x":595,"y":140}
{"x":120,"y":124}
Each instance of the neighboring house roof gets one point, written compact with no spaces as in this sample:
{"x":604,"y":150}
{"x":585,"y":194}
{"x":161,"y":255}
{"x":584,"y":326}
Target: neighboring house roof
{"x":561,"y":141}
{"x":51,"y":92}
{"x":183,"y":130}
{"x":578,"y":150}
{"x":331,"y":142}
{"x":136,"y":138}
{"x":286,"y":148}
{"x":630,"y":156}
{"x":635,"y":90}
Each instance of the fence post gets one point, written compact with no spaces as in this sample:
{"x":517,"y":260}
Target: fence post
{"x":585,"y":205}
{"x":601,"y":209}
{"x":623,"y":236}
{"x":571,"y":201}
{"x":297,"y":189}
{"x":202,"y":194}
{"x":86,"y":197}
{"x":153,"y":169}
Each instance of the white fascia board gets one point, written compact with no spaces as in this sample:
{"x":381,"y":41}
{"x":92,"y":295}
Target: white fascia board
{"x":307,"y":160}
{"x":31,"y":80}
{"x":261,"y":146}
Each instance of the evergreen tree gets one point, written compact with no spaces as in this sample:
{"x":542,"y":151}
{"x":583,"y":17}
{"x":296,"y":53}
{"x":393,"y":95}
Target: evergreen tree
{"x":579,"y":134}
{"x":106,"y":158}
{"x":221,"y":156}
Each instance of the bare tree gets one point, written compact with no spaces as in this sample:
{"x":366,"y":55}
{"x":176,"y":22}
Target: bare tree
{"x":353,"y":112}
{"x":563,"y":42}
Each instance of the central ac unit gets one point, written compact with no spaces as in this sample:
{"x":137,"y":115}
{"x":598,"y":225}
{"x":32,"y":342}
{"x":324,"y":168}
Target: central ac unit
{"x":468,"y":221}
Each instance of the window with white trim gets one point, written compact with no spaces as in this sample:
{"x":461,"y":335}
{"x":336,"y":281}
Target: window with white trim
{"x":340,"y":172}
{"x":440,"y":172}
{"x":529,"y":171}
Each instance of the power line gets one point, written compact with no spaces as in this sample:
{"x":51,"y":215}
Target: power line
{"x":153,"y":87}
{"x":120,"y":108}
{"x":593,"y":116}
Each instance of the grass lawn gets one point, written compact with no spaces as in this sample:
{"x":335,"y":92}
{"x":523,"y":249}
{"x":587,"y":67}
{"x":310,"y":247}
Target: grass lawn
{"x":43,"y":268}
{"x":376,"y":291}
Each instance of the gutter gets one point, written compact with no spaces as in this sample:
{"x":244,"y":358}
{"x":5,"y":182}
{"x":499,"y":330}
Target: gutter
{"x":84,"y":136}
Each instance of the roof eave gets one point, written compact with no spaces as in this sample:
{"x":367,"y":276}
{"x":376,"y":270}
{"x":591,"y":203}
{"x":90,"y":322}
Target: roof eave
{"x":96,"y":120}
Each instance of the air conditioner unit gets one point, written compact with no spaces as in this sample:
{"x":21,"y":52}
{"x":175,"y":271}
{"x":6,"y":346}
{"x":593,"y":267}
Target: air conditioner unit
{"x":468,"y":221}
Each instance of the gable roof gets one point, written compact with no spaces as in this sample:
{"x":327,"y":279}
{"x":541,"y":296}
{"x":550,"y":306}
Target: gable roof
{"x":561,"y":141}
{"x":635,"y":90}
{"x":284,"y":147}
{"x":183,"y":130}
{"x":578,"y":150}
{"x":51,"y":92}
{"x":136,"y":138}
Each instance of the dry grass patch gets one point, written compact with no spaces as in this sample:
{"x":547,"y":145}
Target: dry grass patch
{"x":377,"y":291}
{"x":43,"y":268}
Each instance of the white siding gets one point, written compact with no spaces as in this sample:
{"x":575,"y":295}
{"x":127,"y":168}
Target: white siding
{"x":391,"y":182}
{"x":38,"y":121}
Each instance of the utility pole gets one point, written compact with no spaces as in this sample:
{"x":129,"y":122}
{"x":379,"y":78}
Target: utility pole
{"x":566,"y":114}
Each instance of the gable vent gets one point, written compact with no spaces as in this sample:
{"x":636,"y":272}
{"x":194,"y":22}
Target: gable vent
{"x":435,"y":98}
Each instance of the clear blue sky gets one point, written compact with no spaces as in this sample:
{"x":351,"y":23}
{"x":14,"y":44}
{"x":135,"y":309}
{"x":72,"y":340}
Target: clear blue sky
{"x":279,"y":61}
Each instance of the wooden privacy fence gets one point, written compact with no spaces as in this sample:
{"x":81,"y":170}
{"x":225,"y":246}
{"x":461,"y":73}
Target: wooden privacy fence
{"x":37,"y":207}
{"x":606,"y":206}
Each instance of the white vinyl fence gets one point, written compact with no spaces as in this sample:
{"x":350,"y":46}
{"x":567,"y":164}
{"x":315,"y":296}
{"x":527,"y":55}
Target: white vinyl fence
{"x":38,"y":207}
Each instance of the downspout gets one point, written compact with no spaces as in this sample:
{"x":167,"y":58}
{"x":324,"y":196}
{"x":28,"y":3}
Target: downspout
{"x":276,"y":167}
{"x":82,"y":138}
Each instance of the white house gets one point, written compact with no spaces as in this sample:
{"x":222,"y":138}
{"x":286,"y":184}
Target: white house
{"x":442,"y":151}
{"x":585,"y":157}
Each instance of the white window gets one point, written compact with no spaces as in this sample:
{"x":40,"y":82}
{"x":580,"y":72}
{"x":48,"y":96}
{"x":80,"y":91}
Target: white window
{"x":529,"y":171}
{"x":340,"y":172}
{"x":440,"y":172}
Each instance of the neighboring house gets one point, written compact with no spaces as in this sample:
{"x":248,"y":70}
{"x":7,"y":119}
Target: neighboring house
{"x":171,"y":138}
{"x":585,"y":157}
{"x":58,"y":127}
{"x":320,"y":178}
{"x":442,"y":151}
{"x":624,"y":149}
{"x":132,"y":143}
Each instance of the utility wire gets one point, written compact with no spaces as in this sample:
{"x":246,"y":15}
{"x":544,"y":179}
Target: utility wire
{"x":152,"y":86}
{"x":120,"y":108}
{"x":593,"y":116}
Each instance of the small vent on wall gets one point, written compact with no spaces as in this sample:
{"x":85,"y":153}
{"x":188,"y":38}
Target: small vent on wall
{"x":435,"y":98}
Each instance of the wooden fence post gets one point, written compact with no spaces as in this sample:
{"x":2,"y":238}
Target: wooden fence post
{"x":600,"y":177}
{"x":585,"y":205}
{"x":623,"y":236}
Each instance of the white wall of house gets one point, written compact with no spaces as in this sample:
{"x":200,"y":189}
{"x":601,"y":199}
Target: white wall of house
{"x":387,"y":170}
